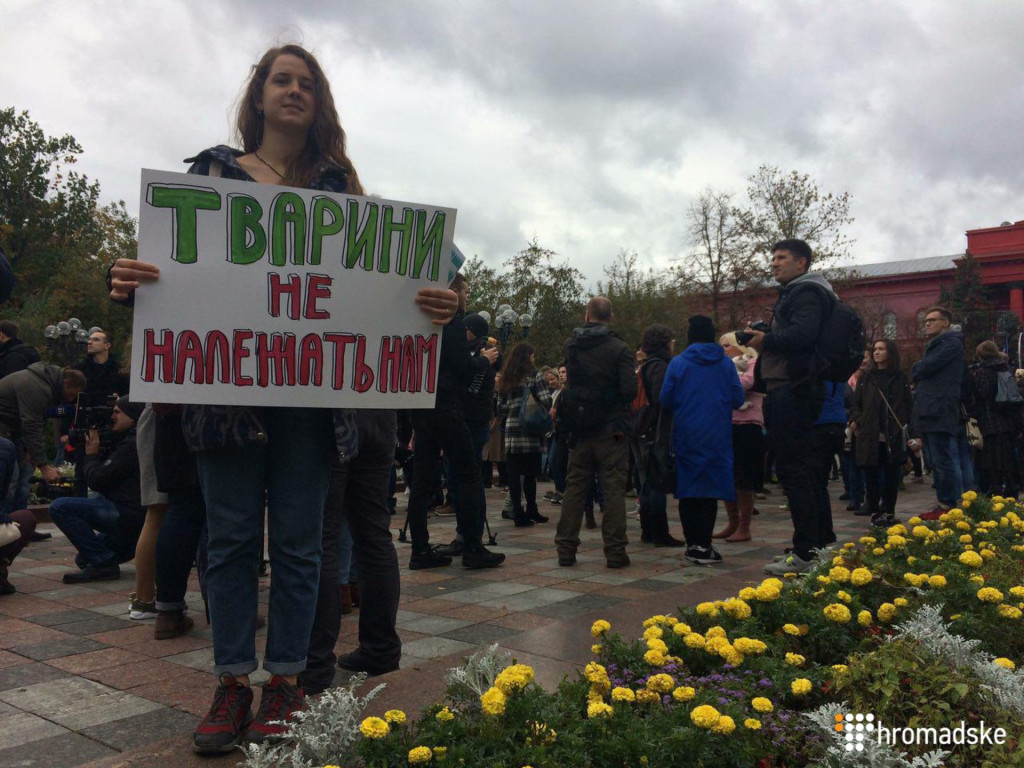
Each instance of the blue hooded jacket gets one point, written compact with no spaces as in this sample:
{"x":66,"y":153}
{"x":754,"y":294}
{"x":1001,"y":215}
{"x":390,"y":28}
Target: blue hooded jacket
{"x":702,"y":389}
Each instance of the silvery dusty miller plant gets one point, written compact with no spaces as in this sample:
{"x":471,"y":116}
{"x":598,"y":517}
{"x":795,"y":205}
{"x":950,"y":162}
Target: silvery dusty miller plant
{"x":466,"y":684}
{"x":875,"y":755}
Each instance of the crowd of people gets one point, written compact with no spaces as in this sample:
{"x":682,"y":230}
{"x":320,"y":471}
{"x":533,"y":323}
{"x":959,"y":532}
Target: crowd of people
{"x":197,"y":486}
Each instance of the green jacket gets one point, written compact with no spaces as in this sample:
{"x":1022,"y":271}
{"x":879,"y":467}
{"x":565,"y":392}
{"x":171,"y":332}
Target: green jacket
{"x":24,"y":397}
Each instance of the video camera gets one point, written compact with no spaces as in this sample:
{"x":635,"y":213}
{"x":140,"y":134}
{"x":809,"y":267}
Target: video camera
{"x":743,"y":337}
{"x":92,"y":412}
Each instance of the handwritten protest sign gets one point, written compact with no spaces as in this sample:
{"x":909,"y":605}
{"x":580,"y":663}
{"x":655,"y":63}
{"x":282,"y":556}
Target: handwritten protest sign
{"x":270,"y":295}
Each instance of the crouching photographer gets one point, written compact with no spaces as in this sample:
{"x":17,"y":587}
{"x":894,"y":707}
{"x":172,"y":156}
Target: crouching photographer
{"x":105,"y":527}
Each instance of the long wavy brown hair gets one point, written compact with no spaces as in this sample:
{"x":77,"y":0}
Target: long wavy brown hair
{"x":516,"y":369}
{"x":326,"y":138}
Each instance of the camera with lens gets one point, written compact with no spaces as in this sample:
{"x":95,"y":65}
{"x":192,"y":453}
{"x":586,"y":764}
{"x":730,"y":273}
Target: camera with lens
{"x":92,"y":414}
{"x":744,"y":337}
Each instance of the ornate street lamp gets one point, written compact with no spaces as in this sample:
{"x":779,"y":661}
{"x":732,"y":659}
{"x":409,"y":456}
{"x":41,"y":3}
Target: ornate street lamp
{"x":65,"y":334}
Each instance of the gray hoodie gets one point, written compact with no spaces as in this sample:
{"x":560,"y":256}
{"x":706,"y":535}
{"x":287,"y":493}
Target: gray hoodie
{"x":24,"y":398}
{"x":790,"y":344}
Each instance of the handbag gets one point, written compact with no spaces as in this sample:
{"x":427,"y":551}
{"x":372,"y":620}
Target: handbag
{"x":661,"y":457}
{"x":895,"y":456}
{"x":974,"y":437}
{"x":534,"y":417}
{"x":9,"y":532}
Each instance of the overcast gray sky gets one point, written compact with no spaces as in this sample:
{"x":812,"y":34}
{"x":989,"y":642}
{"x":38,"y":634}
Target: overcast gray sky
{"x":590,"y":125}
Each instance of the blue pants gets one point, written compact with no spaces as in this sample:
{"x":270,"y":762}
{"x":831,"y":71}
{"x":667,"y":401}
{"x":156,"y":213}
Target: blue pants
{"x":91,"y":525}
{"x":947,"y":472}
{"x":287,"y":477}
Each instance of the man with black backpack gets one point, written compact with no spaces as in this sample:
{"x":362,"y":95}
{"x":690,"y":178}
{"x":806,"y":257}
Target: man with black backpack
{"x":792,"y":369}
{"x":595,"y":411}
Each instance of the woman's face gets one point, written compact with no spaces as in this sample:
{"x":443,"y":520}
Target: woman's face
{"x":551,"y":379}
{"x":289,"y":94}
{"x":880,"y":354}
{"x":731,"y":351}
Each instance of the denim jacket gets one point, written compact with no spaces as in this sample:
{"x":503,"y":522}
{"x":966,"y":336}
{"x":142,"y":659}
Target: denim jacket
{"x":218,"y":426}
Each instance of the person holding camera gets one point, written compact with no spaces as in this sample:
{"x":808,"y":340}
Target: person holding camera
{"x":105,"y":527}
{"x":24,"y":397}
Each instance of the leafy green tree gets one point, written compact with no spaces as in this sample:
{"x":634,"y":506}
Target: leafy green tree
{"x":970,"y":302}
{"x":642,"y":296}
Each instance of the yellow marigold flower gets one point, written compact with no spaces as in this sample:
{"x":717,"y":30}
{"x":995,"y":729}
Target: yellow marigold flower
{"x":623,"y":694}
{"x":911,"y":560}
{"x":861,"y":576}
{"x":921,"y":532}
{"x":988,"y":554}
{"x":761,"y":704}
{"x":420,"y":755}
{"x":901,"y":602}
{"x":795,"y":659}
{"x":736,"y":608}
{"x":683,"y":693}
{"x":682,"y":629}
{"x":936,"y":557}
{"x":1009,"y":612}
{"x":671,"y":620}
{"x":725,"y":725}
{"x":771,"y":581}
{"x":732,"y":657}
{"x":595,"y":673}
{"x":707,"y":609}
{"x":657,"y":658}
{"x":599,"y":709}
{"x":966,"y":539}
{"x":374,"y":728}
{"x":716,"y":644}
{"x":599,"y":627}
{"x":878,"y":551}
{"x":868,"y":541}
{"x":801,"y":686}
{"x":595,"y":693}
{"x":752,"y":724}
{"x":840,"y":669}
{"x":977,"y":579}
{"x":844,"y":596}
{"x":825,"y":580}
{"x":791,"y":629}
{"x":653,"y":632}
{"x":694,"y":640}
{"x":705,"y":716}
{"x":715,"y":632}
{"x":971,"y":559}
{"x":864,"y":618}
{"x":936,"y":580}
{"x":658,"y":619}
{"x":896,"y":530}
{"x":897,"y":542}
{"x":749,"y":646}
{"x":837,"y":612}
{"x":886,"y":612}
{"x":1005,"y":664}
{"x":395,"y":716}
{"x":1017,"y":592}
{"x":997,"y":507}
{"x":915,"y":579}
{"x":440,"y":753}
{"x":1018,"y":547}
{"x":915,"y":520}
{"x":990,"y":595}
{"x":748,"y":594}
{"x":654,"y":644}
{"x":661,"y":683}
{"x":963,"y":525}
{"x":767,"y":593}
{"x":445,"y":715}
{"x":840,"y":573}
{"x":493,"y":702}
{"x":645,"y":696}
{"x":514,"y":678}
{"x":596,"y":648}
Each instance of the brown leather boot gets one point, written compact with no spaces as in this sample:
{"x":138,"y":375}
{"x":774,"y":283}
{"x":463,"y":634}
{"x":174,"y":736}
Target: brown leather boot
{"x":346,"y":598}
{"x":742,"y":532}
{"x":171,"y":624}
{"x":730,"y":528}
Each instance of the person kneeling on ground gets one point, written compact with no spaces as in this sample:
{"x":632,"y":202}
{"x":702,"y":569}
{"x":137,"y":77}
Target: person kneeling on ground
{"x":105,"y":527}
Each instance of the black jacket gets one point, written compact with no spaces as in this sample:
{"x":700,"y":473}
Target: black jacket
{"x":790,"y":346}
{"x":939,"y":377}
{"x":600,"y":361}
{"x":16,"y":355}
{"x":103,"y":379}
{"x":455,"y":367}
{"x":114,"y":474}
{"x":479,"y":400}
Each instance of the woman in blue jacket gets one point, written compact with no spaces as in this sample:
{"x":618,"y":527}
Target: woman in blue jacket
{"x":702,"y":389}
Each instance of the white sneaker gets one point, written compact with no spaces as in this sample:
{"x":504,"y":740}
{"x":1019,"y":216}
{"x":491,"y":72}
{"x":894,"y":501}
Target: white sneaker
{"x":791,"y":563}
{"x":140,"y":611}
{"x":702,"y":556}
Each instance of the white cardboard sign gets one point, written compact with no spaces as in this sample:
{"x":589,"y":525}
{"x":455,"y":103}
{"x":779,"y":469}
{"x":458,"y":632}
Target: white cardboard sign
{"x":277,"y":296}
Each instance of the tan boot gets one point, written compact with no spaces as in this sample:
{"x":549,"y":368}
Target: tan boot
{"x":730,"y":528}
{"x":742,"y":532}
{"x":171,"y":624}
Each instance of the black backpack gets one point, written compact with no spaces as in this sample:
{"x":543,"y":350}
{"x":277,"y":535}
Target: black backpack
{"x":841,"y":342}
{"x":581,"y":409}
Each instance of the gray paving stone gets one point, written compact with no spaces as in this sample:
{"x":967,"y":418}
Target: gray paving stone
{"x":438,"y":589}
{"x":403,"y":616}
{"x":60,"y":617}
{"x":433,"y":647}
{"x":41,"y":570}
{"x":78,"y":703}
{"x":139,"y":730}
{"x":28,"y":674}
{"x":68,"y":646}
{"x":7,"y":709}
{"x":66,"y":750}
{"x":687,"y":576}
{"x":199,"y":659}
{"x":482,"y":634}
{"x":93,"y":625}
{"x":62,"y":593}
{"x":433,"y":625}
{"x":532,"y":599}
{"x":23,"y":728}
{"x":117,"y":610}
{"x":651,"y":585}
{"x":505,"y":588}
{"x":470,"y":596}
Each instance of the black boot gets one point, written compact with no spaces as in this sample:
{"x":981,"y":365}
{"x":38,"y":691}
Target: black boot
{"x":478,"y":556}
{"x":535,"y":515}
{"x":427,"y":558}
{"x":522,"y":519}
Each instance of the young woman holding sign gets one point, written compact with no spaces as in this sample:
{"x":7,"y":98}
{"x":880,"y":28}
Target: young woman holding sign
{"x":280,"y":458}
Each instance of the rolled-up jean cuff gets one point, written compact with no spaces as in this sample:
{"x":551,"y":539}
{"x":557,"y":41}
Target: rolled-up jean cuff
{"x":181,"y":605}
{"x":241,"y":668}
{"x":284,"y":667}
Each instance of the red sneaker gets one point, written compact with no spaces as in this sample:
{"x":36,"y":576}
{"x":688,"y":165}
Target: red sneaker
{"x":280,"y":699}
{"x":230,"y":714}
{"x":935,"y":514}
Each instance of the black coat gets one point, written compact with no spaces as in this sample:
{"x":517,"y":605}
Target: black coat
{"x":103,"y":379}
{"x":873,"y":418}
{"x":939,"y":377}
{"x":603,"y":363}
{"x":790,"y":346}
{"x":991,"y":421}
{"x":16,"y":355}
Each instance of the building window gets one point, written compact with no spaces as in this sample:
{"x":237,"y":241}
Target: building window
{"x":920,"y":322}
{"x":889,"y":325}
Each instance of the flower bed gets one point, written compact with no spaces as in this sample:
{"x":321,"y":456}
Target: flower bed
{"x":919,"y":625}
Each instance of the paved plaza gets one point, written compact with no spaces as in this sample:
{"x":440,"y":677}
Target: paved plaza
{"x":82,"y":685}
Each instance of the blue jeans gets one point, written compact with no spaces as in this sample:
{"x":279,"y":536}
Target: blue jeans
{"x":287,"y":476}
{"x":853,"y":478}
{"x":91,"y":525}
{"x":944,"y":457}
{"x":176,"y":546}
{"x":20,"y":480}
